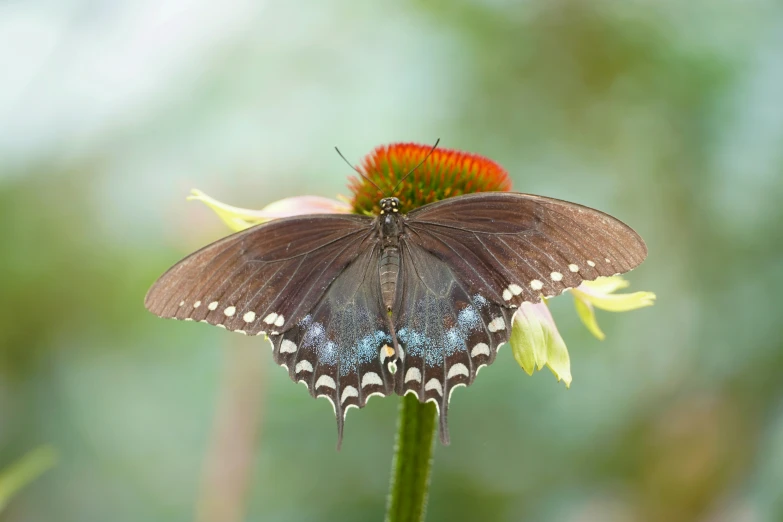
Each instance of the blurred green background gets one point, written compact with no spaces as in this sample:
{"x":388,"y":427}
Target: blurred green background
{"x":664,"y":113}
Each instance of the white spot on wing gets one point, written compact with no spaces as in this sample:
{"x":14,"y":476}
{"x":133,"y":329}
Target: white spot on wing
{"x":196,"y":304}
{"x":535,"y":284}
{"x":515,"y":289}
{"x":182,"y":303}
{"x":249,"y":317}
{"x":212,"y":305}
{"x":590,"y":263}
{"x":287,"y":346}
{"x":325,"y":380}
{"x":507,"y":295}
{"x":334,"y":408}
{"x":608,"y":260}
{"x":231,"y":310}
{"x":269,"y":319}
{"x":454,"y":388}
{"x":497,"y":324}
{"x":373,"y":394}
{"x":304,"y":366}
{"x":458,"y":369}
{"x":370,"y":378}
{"x":556,"y":276}
{"x":347,"y":409}
{"x":413,"y":374}
{"x":348,"y":392}
{"x":574,"y":268}
{"x":280,"y":320}
{"x":434,"y":384}
{"x":480,"y":349}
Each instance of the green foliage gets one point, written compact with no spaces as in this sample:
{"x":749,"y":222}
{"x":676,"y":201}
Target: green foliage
{"x":664,"y":114}
{"x":22,"y":472}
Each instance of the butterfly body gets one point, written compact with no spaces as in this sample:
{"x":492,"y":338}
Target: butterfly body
{"x":390,"y":226}
{"x":358,"y":306}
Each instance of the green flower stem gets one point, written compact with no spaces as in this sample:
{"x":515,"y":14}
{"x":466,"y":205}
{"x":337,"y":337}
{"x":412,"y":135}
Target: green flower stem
{"x":412,"y":463}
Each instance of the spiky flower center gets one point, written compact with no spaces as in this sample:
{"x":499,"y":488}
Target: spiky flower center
{"x":445,"y":173}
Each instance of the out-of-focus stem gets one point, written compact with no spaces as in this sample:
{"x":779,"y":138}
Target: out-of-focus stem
{"x":229,"y":460}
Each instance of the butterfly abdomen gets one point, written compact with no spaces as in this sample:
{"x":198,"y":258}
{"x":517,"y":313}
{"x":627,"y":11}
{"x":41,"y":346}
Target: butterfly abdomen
{"x":389,"y":267}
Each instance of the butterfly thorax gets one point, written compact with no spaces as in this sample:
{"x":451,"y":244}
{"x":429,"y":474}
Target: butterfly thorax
{"x":390,"y":228}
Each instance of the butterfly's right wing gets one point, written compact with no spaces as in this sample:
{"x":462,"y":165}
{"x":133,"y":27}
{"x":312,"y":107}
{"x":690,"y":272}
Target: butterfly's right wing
{"x":263,"y":279}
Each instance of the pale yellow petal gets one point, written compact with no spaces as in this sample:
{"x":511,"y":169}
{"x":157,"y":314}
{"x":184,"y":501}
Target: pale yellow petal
{"x":236,"y":218}
{"x":241,"y":218}
{"x":605,"y":285}
{"x":536,"y":342}
{"x":617,"y":302}
{"x":587,"y":315}
{"x":558,"y":360}
{"x":527,"y":340}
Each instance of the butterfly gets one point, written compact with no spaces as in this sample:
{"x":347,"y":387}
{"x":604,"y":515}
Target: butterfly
{"x":357,"y":306}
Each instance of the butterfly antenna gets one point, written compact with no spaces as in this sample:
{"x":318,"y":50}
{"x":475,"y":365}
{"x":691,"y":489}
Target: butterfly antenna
{"x":417,"y":166}
{"x":359,"y":172}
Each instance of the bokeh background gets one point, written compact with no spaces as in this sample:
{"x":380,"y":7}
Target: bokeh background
{"x":664,"y":113}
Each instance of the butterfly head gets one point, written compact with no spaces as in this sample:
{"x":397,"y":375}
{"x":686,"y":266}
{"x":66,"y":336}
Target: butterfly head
{"x":390,"y":206}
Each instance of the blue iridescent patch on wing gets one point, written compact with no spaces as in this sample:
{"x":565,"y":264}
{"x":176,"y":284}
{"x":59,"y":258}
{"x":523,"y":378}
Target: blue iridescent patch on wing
{"x":362,"y":351}
{"x":346,"y":331}
{"x":438,"y":341}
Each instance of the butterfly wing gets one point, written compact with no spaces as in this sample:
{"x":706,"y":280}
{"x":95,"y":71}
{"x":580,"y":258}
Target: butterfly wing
{"x":337,"y":349}
{"x":447,"y":331}
{"x":511,"y":247}
{"x":263,"y":279}
{"x":469,"y":261}
{"x":312,"y":284}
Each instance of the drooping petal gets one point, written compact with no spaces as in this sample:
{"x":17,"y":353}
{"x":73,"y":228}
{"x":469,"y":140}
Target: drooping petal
{"x":599,"y":294}
{"x":300,"y":205}
{"x":623,"y":302}
{"x":536,"y":342}
{"x":241,"y":218}
{"x":605,"y":285}
{"x":586,"y":313}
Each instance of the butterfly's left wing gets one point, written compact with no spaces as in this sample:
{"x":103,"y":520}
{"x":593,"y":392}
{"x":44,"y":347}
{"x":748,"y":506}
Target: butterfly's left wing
{"x":446,"y":330}
{"x":469,"y":261}
{"x":337,"y":349}
{"x":512,"y":247}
